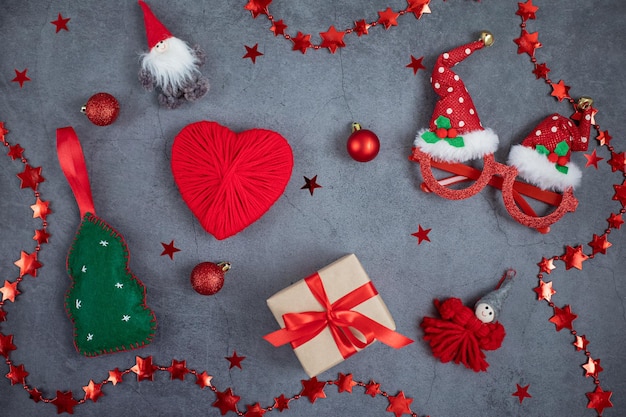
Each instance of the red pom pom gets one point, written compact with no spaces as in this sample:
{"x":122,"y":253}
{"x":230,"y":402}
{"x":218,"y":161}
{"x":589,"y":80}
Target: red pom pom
{"x":101,"y":109}
{"x":441,"y":133}
{"x":452,"y":133}
{"x":207,"y":278}
{"x":562,"y":160}
{"x":553,"y":158}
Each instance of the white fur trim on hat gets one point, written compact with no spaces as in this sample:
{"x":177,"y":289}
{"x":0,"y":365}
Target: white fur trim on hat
{"x":477,"y":144}
{"x":535,"y":168}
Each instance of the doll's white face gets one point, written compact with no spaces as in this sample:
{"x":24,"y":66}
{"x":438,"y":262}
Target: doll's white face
{"x":485,"y":313}
{"x":161,"y":46}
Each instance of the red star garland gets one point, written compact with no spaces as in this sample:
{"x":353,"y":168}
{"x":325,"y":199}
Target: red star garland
{"x":560,"y":90}
{"x":21,"y":77}
{"x":372,"y":389}
{"x":9,"y":291}
{"x":144,"y":368}
{"x":416,"y":64}
{"x":615,"y":221}
{"x":16,"y":152}
{"x":203,"y":380}
{"x":17,"y":374}
{"x":93,"y":391}
{"x":30,"y":177}
{"x":333,"y":38}
{"x":115,"y":376}
{"x":620,"y":194}
{"x":574,"y":257}
{"x":226,"y":401}
{"x":281,"y":403}
{"x":581,"y":343}
{"x":399,"y":404}
{"x":61,"y":23}
{"x":522,"y":392}
{"x":235,"y":360}
{"x":541,"y":71}
{"x":178,"y":369}
{"x":526,"y":11}
{"x":310,"y":184}
{"x":544,"y":291}
{"x":599,"y":400}
{"x":421,"y":234}
{"x":28,"y":264}
{"x":599,"y":244}
{"x":617,"y":162}
{"x":41,"y":209}
{"x":345,"y":383}
{"x":563,"y":318}
{"x":604,"y":138}
{"x":252,"y":53}
{"x":65,"y":402}
{"x":546,"y":265}
{"x":6,"y":345}
{"x":313,"y":389}
{"x":169,"y":249}
{"x":527,"y":43}
{"x":592,"y":367}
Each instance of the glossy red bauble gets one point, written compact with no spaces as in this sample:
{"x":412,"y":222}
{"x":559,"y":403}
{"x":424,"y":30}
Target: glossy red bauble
{"x":363,"y":145}
{"x":101,"y":109}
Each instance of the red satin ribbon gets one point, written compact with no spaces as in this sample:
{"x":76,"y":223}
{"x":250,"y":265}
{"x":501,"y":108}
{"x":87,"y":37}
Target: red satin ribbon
{"x":72,"y":162}
{"x":339,"y":318}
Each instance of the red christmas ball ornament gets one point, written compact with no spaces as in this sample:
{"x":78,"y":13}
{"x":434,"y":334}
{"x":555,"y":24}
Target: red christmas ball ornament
{"x":101,"y":109}
{"x":207,"y":278}
{"x":363,"y":145}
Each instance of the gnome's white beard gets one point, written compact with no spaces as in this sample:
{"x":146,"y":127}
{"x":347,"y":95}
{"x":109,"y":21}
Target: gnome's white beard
{"x":173,"y":67}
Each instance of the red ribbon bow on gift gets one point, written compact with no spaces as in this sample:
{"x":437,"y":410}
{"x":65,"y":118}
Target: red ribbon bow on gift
{"x":339,"y":318}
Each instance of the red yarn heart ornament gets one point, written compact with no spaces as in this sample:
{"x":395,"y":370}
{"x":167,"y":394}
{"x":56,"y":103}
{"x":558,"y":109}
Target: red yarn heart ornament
{"x":229,"y":180}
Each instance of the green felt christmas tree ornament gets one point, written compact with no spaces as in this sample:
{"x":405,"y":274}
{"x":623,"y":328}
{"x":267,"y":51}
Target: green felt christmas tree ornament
{"x":106,"y":302}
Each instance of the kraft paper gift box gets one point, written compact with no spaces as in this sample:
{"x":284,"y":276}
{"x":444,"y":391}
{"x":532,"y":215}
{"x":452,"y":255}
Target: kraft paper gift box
{"x":331,"y":315}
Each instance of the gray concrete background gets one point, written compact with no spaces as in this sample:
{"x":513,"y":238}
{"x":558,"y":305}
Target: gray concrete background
{"x":369,"y":209}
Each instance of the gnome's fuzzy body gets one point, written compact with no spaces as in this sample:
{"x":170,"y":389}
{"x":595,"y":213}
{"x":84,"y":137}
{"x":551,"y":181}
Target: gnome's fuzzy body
{"x":171,"y":65}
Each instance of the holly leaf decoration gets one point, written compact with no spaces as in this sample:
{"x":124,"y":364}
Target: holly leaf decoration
{"x":443,"y":122}
{"x":430,"y":137}
{"x":456,"y":142}
{"x":105,"y":302}
{"x":562,"y":169}
{"x":562,"y":148}
{"x":542,"y":150}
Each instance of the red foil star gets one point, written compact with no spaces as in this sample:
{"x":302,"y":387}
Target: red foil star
{"x":563,"y":318}
{"x":257,"y":7}
{"x":332,"y":39}
{"x":301,"y":42}
{"x":17,"y":374}
{"x":281,"y":403}
{"x":35,"y":394}
{"x":421,"y":234}
{"x":546,"y":265}
{"x":526,"y":11}
{"x":310,"y":184}
{"x":592,"y":159}
{"x":41,"y":236}
{"x":28,"y":264}
{"x":416,"y":64}
{"x":61,"y":23}
{"x":522,"y":392}
{"x":16,"y":152}
{"x":560,"y":90}
{"x":144,"y":368}
{"x":254,"y":410}
{"x":418,"y":7}
{"x":9,"y":291}
{"x":21,"y":77}
{"x":615,"y":221}
{"x":345,"y":383}
{"x":604,"y":138}
{"x":41,"y":209}
{"x":252,"y":53}
{"x":372,"y":388}
{"x":115,"y":376}
{"x":599,"y":244}
{"x":581,"y":343}
{"x":599,"y":399}
{"x":93,"y":391}
{"x":6,"y":345}
{"x":226,"y":401}
{"x":527,"y":43}
{"x":31,"y":177}
{"x":544,"y":291}
{"x":278,"y":27}
{"x":178,"y":369}
{"x":592,"y":367}
{"x":541,"y":71}
{"x":620,"y":194}
{"x":399,"y":404}
{"x":617,"y":161}
{"x":203,"y":380}
{"x":388,"y":18}
{"x":65,"y":402}
{"x":313,"y":389}
{"x":169,"y":249}
{"x":235,"y":360}
{"x":574,"y":257}
{"x":361,"y":27}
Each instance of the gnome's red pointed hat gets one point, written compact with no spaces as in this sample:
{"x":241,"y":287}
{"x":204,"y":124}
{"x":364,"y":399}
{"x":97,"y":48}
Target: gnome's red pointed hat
{"x":543,"y":158}
{"x":456,"y":133}
{"x":155,"y":30}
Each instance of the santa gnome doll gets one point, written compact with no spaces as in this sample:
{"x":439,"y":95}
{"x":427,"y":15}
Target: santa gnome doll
{"x":543,"y":157}
{"x":461,"y":334}
{"x":456,"y":133}
{"x":170,"y":65}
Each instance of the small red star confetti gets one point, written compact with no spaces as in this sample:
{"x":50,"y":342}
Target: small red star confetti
{"x":35,"y":394}
{"x":28,"y":264}
{"x":617,"y":161}
{"x":416,"y":64}
{"x":278,"y":27}
{"x":546,"y":265}
{"x":17,"y":374}
{"x":6,"y":345}
{"x":388,"y":18}
{"x":21,"y":77}
{"x":592,"y":159}
{"x":281,"y":403}
{"x":310,"y":184}
{"x":372,"y":388}
{"x":169,"y":249}
{"x":61,"y":23}
{"x":418,"y":7}
{"x":31,"y":177}
{"x":563,"y":318}
{"x":254,"y":410}
{"x":604,"y":138}
{"x":361,"y":27}
{"x":115,"y":376}
{"x":252,"y":53}
{"x":65,"y":402}
{"x":574,"y":257}
{"x":399,"y":404}
{"x":16,"y":152}
{"x":41,"y":236}
{"x":560,"y":90}
{"x":620,"y":194}
{"x":9,"y":291}
{"x":541,"y":71}
{"x":144,"y":368}
{"x":522,"y":392}
{"x":203,"y":380}
{"x":345,"y":383}
{"x":178,"y":369}
{"x":93,"y":391}
{"x":235,"y":360}
{"x":526,"y":11}
{"x":599,"y":400}
{"x":301,"y":42}
{"x":332,"y":39}
{"x":581,"y":343}
{"x":599,"y":244}
{"x":592,"y":367}
{"x":313,"y":389}
{"x":226,"y":401}
{"x":615,"y":221}
{"x":527,"y":43}
{"x":257,"y":7}
{"x":41,"y":209}
{"x":421,"y":234}
{"x":544,"y":291}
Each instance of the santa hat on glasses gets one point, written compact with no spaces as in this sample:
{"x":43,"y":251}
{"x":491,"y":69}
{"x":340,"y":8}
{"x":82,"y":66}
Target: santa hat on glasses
{"x":456,"y":133}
